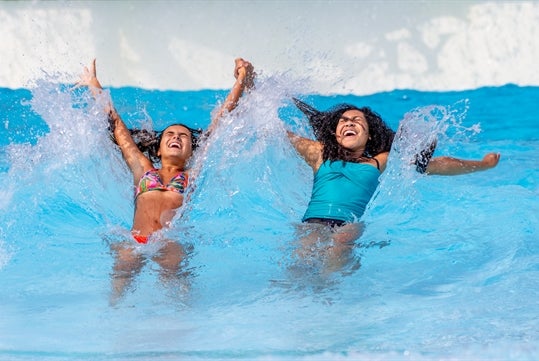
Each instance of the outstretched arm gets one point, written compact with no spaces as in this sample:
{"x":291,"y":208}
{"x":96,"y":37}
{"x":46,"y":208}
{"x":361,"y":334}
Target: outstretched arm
{"x":134,"y":158}
{"x":244,"y":74}
{"x":454,"y":166}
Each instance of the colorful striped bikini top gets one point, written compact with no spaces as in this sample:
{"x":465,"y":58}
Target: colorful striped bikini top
{"x":151,"y":181}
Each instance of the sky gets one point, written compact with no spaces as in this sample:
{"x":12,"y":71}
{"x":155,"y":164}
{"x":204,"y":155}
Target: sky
{"x":357,"y":47}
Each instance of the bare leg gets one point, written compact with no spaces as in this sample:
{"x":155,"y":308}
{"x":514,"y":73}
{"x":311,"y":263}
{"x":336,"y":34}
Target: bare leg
{"x":127,"y":265}
{"x":170,"y":257}
{"x":339,"y":253}
{"x":329,"y":247}
{"x":309,"y":244}
{"x":348,"y":233}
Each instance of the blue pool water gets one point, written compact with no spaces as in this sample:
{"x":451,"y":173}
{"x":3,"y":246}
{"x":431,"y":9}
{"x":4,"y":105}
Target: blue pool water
{"x":447,"y":268}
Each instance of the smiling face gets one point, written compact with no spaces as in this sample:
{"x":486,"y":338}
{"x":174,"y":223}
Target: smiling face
{"x":176,"y":142}
{"x":352,"y":131}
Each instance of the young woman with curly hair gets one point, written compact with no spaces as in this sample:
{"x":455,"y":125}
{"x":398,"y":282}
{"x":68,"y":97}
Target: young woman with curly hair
{"x":348,"y":156}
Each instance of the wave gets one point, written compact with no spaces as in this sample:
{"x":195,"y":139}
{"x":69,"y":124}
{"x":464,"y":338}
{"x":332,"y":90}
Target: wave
{"x":337,"y":47}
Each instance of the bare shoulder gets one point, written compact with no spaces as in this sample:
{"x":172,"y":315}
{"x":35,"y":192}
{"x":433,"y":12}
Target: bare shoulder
{"x":382,"y":160}
{"x":310,"y":150}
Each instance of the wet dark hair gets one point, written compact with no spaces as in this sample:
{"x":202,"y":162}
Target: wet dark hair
{"x":325,"y":123}
{"x":148,"y":141}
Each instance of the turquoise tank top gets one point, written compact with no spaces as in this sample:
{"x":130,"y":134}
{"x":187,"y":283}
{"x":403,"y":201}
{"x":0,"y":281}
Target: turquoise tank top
{"x":342,"y":190}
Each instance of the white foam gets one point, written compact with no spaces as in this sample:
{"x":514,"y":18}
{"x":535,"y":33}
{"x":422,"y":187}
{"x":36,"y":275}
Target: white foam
{"x":343,"y":47}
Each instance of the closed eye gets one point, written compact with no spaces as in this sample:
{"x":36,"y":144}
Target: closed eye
{"x":357,"y":119}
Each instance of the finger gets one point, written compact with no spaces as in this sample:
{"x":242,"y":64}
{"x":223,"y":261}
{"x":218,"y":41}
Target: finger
{"x":93,"y":67}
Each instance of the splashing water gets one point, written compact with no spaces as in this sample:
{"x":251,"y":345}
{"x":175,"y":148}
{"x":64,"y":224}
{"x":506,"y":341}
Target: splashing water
{"x":419,"y":130}
{"x":448,"y":265}
{"x":63,"y":172}
{"x":247,"y":161}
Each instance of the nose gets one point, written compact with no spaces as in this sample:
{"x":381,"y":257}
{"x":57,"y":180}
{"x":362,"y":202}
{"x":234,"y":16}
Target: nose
{"x":346,"y":120}
{"x":174,"y":138}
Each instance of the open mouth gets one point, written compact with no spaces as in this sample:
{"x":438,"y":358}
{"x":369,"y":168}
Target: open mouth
{"x":349,"y":132}
{"x":174,"y":145}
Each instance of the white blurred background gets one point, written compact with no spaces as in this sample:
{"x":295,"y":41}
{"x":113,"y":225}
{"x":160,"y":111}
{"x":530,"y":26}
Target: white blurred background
{"x":357,"y":47}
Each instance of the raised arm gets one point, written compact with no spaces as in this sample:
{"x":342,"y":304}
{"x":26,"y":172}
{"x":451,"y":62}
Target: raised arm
{"x":454,"y":166}
{"x":134,"y":158}
{"x":244,"y":74}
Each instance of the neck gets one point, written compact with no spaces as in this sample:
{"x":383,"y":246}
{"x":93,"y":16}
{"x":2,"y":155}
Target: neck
{"x":172,"y":167}
{"x":355,"y":153}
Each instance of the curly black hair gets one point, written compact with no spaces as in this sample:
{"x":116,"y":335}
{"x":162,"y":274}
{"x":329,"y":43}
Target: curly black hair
{"x":148,"y":141}
{"x":325,"y":123}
